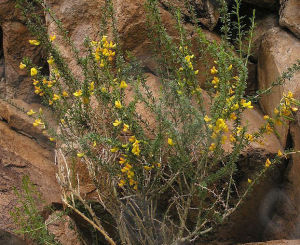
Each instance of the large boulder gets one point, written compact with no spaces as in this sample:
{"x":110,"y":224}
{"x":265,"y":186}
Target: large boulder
{"x":262,"y":26}
{"x":279,"y":50}
{"x":19,"y":156}
{"x":290,"y":15}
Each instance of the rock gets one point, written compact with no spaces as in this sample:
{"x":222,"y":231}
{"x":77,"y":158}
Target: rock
{"x":19,"y":156}
{"x":262,"y":26}
{"x":63,"y":228}
{"x":81,"y":19}
{"x":21,"y":122}
{"x":207,"y":11}
{"x":286,"y":221}
{"x":131,"y":25}
{"x":267,"y":4}
{"x":15,"y":48}
{"x":279,"y":50}
{"x":7,"y":238}
{"x":277,"y":242}
{"x":290,"y":15}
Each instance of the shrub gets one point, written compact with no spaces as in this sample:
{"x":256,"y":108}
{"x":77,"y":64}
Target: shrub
{"x":165,"y":179}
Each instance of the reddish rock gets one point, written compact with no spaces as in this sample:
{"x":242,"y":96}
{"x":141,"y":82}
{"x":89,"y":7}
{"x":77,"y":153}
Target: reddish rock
{"x":63,"y":228}
{"x":15,"y":48}
{"x":19,"y":156}
{"x":263,"y":25}
{"x":290,"y":15}
{"x":279,"y":50}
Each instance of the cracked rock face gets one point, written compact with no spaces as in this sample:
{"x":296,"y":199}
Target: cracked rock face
{"x":290,"y":15}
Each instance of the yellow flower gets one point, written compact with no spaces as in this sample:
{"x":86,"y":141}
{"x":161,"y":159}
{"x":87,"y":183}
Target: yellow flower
{"x":118,"y":104}
{"x":94,"y":144}
{"x":147,"y":168}
{"x":37,"y":122}
{"x":122,"y":160}
{"x":80,"y":154}
{"x":268,"y":163}
{"x":121,"y":183}
{"x":103,"y":90}
{"x":102,"y":63}
{"x":249,"y":181}
{"x":104,"y":39}
{"x":279,"y":153}
{"x":213,"y":70}
{"x":65,"y":94}
{"x":33,"y":71}
{"x":34,"y":42}
{"x":212,"y":147}
{"x":233,"y":116}
{"x":235,"y":107}
{"x":52,"y":139}
{"x":117,"y":123}
{"x":22,"y":66}
{"x":52,"y":38}
{"x":266,"y":117}
{"x":170,"y":142}
{"x":249,"y":137}
{"x":132,"y":139}
{"x":276,"y":111}
{"x":35,"y":82}
{"x":196,"y":72}
{"x":220,"y":125}
{"x":50,"y":102}
{"x":31,"y":112}
{"x":246,"y":104}
{"x":50,"y":60}
{"x":294,"y":109}
{"x":92,"y":87}
{"x":62,"y":121}
{"x":126,"y":127}
{"x":136,"y":148}
{"x":216,"y":80}
{"x":229,"y":67}
{"x":56,"y":97}
{"x":207,"y":119}
{"x":78,"y":93}
{"x":236,"y":78}
{"x":113,"y":150}
{"x":123,"y":84}
{"x":232,"y":139}
{"x":158,"y":165}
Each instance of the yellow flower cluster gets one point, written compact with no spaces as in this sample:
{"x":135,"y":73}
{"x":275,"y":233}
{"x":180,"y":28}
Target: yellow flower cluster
{"x":116,"y":123}
{"x":103,"y":49}
{"x":34,"y":42}
{"x":287,"y":105}
{"x":38,"y":122}
{"x":127,"y":170}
